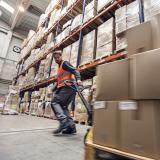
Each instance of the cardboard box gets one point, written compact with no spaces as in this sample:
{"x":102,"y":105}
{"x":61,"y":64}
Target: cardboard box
{"x":113,"y":81}
{"x":106,"y":124}
{"x":155,"y":23}
{"x":102,"y":4}
{"x":140,"y":129}
{"x":144,"y":75}
{"x":121,"y":42}
{"x":106,"y":38}
{"x":74,"y":53}
{"x":88,"y":47}
{"x":77,"y":21}
{"x":67,"y":53}
{"x":90,"y":11}
{"x":139,"y":38}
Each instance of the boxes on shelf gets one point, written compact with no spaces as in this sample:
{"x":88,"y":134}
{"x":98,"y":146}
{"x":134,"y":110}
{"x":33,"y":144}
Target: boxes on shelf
{"x":77,"y":21}
{"x":74,"y":53}
{"x":33,"y":108}
{"x":67,"y":53}
{"x":30,"y":34}
{"x":151,"y":8}
{"x":31,"y":75}
{"x":23,"y":107}
{"x":40,"y":109}
{"x":47,"y":66}
{"x":102,"y":4}
{"x":67,"y":24}
{"x":70,"y":3}
{"x":88,"y":47}
{"x":106,"y":38}
{"x":54,"y":17}
{"x":48,"y":111}
{"x":49,"y":93}
{"x":127,"y":17}
{"x":42,"y":19}
{"x":63,"y":11}
{"x":54,"y":68}
{"x":90,"y":11}
{"x":42,"y":92}
{"x":27,"y":96}
{"x":121,"y":42}
{"x":106,"y":130}
{"x":66,"y":32}
{"x":40,"y":74}
{"x":80,"y":108}
{"x":53,"y":5}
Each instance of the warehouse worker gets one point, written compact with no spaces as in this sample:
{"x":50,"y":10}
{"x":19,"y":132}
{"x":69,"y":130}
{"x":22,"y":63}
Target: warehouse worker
{"x":64,"y":94}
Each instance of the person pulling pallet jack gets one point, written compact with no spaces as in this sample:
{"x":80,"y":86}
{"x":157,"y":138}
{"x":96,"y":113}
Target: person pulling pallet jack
{"x":64,"y":94}
{"x":68,"y":83}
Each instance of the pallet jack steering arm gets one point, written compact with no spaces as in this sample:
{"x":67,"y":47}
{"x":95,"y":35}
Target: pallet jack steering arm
{"x":79,"y":89}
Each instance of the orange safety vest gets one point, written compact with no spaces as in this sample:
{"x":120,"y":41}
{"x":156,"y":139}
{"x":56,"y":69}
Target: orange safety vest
{"x":63,"y":75}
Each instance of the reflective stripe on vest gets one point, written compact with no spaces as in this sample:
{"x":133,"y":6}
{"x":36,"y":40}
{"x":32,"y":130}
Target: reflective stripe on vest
{"x":63,"y":76}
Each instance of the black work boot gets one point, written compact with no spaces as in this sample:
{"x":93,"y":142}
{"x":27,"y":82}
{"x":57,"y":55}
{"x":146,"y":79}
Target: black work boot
{"x":63,"y":125}
{"x":70,"y":130}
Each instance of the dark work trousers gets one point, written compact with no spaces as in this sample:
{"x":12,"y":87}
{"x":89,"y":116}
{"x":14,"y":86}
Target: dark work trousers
{"x":73,"y":104}
{"x":61,"y":101}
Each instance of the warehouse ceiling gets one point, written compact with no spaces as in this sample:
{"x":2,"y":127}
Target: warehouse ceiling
{"x":20,"y":21}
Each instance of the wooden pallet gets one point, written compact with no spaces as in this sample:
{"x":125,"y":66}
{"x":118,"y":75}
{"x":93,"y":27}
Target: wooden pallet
{"x":80,"y":122}
{"x":118,"y":152}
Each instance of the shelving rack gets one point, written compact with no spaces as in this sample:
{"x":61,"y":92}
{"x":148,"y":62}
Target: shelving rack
{"x":87,"y":70}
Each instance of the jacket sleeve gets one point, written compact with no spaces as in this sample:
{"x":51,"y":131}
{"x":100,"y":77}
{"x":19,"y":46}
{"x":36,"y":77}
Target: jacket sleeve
{"x":68,"y":67}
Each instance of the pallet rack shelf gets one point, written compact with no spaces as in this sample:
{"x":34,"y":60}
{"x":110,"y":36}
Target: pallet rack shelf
{"x":83,"y":68}
{"x":86,"y":27}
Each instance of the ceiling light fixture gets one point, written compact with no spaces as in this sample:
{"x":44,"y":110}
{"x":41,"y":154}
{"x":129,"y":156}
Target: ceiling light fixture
{"x":21,"y":8}
{"x":6,"y":6}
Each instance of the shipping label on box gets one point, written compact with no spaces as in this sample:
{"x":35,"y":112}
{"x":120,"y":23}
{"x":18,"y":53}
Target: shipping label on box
{"x":99,"y":104}
{"x":128,"y":105}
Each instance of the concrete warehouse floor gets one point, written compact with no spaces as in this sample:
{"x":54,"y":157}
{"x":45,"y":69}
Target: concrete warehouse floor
{"x":30,"y":138}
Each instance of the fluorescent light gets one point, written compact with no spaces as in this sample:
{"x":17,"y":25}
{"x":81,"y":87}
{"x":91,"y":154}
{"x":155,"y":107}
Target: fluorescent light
{"x":21,"y":8}
{"x":6,"y":6}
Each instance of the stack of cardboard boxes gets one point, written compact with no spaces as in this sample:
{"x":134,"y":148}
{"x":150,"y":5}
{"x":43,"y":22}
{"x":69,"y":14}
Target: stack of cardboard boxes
{"x":88,"y":47}
{"x":126,"y":17}
{"x":106,"y":38}
{"x":128,"y":100}
{"x":102,"y":4}
{"x":80,"y":110}
{"x":90,"y":11}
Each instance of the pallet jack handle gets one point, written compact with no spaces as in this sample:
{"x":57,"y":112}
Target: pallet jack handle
{"x":79,"y":89}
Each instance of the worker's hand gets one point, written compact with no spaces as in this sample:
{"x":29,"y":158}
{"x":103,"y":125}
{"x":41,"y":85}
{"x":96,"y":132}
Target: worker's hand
{"x":79,"y":82}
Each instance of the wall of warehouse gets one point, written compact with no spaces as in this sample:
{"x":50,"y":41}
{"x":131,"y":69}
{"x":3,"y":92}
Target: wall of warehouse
{"x":8,"y":57}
